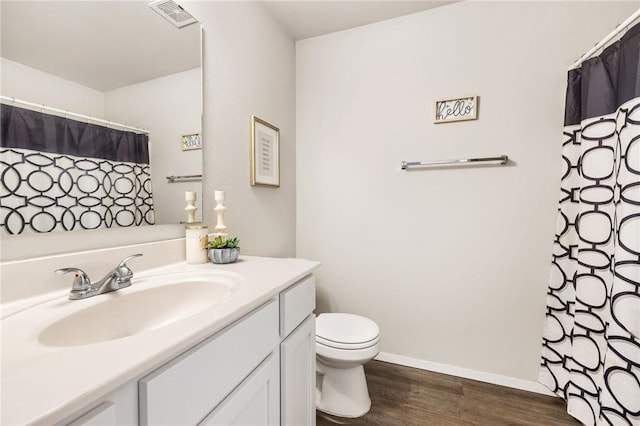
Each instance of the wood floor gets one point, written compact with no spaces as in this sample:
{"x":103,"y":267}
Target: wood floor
{"x":405,"y":396}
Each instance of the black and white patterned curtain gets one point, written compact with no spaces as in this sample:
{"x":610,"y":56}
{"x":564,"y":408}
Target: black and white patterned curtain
{"x":591,"y":341}
{"x":62,"y":174}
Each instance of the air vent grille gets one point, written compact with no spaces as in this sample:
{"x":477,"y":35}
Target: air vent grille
{"x":172,"y":12}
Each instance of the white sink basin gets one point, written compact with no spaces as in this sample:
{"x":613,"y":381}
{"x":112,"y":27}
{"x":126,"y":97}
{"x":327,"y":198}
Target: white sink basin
{"x":150,"y":303}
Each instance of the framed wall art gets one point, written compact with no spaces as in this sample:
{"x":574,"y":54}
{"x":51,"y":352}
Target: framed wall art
{"x":265,"y":153}
{"x":456,"y":109}
{"x":191,"y":141}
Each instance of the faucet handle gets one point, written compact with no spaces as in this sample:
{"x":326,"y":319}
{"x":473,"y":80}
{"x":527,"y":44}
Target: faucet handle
{"x":126,"y":259}
{"x":81,"y":283}
{"x":124,"y":273}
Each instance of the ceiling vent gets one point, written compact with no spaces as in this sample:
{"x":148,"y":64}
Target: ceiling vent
{"x":172,"y":12}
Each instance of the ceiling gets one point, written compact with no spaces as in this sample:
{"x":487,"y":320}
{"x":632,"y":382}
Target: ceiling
{"x":109,"y":44}
{"x":309,"y":18}
{"x":99,"y":44}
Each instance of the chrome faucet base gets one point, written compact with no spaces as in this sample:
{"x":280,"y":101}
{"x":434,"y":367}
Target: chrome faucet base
{"x":84,"y":294}
{"x":116,"y":279}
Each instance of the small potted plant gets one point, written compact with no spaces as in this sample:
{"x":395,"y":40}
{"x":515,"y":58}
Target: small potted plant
{"x":223,"y":250}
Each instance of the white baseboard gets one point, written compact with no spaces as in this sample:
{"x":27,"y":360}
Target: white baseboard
{"x":466,"y":373}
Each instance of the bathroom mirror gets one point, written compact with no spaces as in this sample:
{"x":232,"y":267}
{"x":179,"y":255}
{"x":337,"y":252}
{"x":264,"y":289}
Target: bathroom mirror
{"x":122,"y":62}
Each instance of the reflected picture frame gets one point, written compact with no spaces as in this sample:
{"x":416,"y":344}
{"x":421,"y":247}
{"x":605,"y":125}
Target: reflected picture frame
{"x":190,"y":142}
{"x":265,"y":153}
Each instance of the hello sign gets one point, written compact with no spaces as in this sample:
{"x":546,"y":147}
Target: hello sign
{"x":457,"y":109}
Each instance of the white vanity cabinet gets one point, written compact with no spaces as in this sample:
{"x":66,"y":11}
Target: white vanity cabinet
{"x":298,"y":376}
{"x":298,"y":354}
{"x":103,"y":414}
{"x":259,"y":370}
{"x":119,"y":407}
{"x":254,"y":402}
{"x":187,"y":389}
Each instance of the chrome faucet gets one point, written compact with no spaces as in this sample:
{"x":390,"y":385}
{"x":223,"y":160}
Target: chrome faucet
{"x":82,"y":288}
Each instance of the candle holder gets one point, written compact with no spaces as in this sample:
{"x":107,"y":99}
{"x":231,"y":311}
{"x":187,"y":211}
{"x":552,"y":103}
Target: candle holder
{"x":220,"y":208}
{"x":191,"y":208}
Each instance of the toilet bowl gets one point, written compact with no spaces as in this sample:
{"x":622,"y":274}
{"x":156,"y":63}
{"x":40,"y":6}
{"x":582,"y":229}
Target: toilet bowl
{"x":344,"y":343}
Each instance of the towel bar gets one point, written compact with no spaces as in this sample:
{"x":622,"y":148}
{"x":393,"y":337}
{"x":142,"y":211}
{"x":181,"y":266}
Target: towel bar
{"x":503,"y":159}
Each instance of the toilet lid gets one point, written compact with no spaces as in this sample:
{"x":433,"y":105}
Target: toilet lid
{"x":346,"y":331}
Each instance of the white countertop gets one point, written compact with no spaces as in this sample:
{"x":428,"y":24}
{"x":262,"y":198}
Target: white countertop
{"x":43,"y":384}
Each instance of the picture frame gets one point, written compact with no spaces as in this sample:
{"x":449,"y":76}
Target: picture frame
{"x":191,"y":141}
{"x":455,"y":109}
{"x":265,"y":153}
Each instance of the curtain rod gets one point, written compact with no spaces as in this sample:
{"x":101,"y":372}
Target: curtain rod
{"x":67,"y":113}
{"x":607,"y":39}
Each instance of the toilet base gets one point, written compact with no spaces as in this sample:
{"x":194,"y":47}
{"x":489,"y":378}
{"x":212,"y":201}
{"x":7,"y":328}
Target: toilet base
{"x":342,"y":392}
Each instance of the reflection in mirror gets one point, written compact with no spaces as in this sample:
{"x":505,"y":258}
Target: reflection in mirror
{"x":118,"y":62}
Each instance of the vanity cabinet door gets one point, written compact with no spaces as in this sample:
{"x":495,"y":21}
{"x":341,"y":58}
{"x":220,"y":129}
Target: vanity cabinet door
{"x":298,"y":375}
{"x":185,"y":390}
{"x":255,"y":402}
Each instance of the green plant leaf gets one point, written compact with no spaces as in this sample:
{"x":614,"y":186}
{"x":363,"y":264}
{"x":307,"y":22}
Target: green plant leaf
{"x":220,"y":242}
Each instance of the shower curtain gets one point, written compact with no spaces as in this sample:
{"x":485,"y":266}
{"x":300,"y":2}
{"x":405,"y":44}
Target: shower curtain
{"x":60,"y":174}
{"x":591,"y":342}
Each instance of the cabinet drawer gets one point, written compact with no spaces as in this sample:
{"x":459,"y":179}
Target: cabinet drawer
{"x":296,"y":304}
{"x":186,"y":389}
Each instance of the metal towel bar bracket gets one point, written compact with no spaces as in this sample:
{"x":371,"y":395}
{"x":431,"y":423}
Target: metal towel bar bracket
{"x":503,"y":159}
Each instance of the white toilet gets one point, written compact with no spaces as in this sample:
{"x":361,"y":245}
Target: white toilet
{"x":344,"y":343}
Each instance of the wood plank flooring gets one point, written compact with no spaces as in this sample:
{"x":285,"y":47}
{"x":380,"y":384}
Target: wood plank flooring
{"x":404,"y":396}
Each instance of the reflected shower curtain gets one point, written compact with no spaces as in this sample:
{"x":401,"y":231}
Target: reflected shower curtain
{"x":59,"y":174}
{"x":591,"y":341}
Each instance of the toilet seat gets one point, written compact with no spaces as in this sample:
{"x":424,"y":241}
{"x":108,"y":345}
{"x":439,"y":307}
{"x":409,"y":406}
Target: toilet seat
{"x":346,"y":331}
{"x":344,"y":357}
{"x":346,"y":346}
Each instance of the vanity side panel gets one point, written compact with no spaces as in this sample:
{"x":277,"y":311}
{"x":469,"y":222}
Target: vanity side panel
{"x":186,"y":389}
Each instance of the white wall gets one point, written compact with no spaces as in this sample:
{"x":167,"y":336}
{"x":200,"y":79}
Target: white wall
{"x":451,"y":263}
{"x":168,"y":107}
{"x":249,"y":68}
{"x":32,"y":85}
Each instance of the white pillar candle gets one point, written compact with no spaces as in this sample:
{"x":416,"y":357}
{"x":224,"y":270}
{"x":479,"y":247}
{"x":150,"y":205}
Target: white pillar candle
{"x":190,"y":196}
{"x":219,"y":195}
